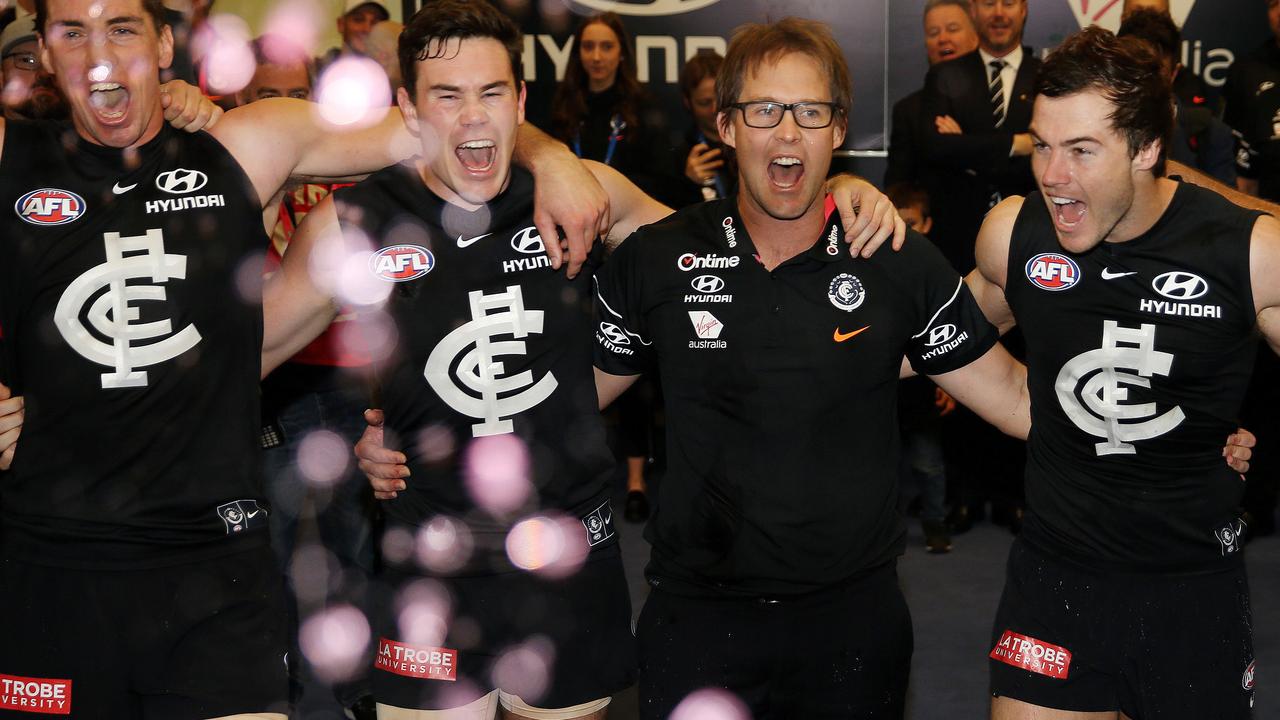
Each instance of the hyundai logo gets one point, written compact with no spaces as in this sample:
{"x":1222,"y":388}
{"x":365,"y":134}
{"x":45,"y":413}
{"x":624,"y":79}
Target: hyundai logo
{"x":181,"y":181}
{"x":708,"y":284}
{"x":527,"y":241}
{"x":940,"y":335}
{"x":614,"y":334}
{"x":652,"y":8}
{"x":1179,"y":285}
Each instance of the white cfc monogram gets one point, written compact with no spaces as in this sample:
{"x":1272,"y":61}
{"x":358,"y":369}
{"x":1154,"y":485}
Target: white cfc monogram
{"x":1098,"y":406}
{"x":114,"y":315}
{"x":480,"y":387}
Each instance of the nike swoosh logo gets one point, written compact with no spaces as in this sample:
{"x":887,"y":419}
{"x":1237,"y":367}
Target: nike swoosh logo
{"x":118,"y":190}
{"x":255,"y":512}
{"x":468,"y":243}
{"x":1108,"y":275}
{"x":841,"y":337}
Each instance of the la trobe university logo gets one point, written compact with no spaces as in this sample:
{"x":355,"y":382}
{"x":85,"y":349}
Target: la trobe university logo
{"x":464,"y":369}
{"x":108,"y":300}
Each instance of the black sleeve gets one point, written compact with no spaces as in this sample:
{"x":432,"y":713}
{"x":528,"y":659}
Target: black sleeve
{"x":902,"y":144}
{"x":953,"y":332}
{"x":622,"y":343}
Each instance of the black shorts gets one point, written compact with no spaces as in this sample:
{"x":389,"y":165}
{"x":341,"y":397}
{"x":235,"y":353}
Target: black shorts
{"x":1154,"y":646}
{"x":443,"y":642}
{"x":184,"y":642}
{"x":838,"y":653}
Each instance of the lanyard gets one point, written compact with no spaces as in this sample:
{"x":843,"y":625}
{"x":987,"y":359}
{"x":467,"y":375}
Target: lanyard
{"x":616,"y":126}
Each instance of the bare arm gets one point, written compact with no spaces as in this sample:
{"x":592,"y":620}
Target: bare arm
{"x":1264,"y":274}
{"x":281,"y":138}
{"x":1243,"y":199}
{"x":629,"y":206}
{"x":995,"y":387}
{"x":610,"y":387}
{"x":987,"y":280}
{"x":295,"y":308}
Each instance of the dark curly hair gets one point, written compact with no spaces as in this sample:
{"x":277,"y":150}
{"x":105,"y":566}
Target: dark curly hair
{"x":1127,"y":72}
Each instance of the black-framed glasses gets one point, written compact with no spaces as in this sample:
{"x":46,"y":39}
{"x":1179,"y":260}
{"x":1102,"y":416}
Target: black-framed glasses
{"x":24,"y":60}
{"x":808,"y":115}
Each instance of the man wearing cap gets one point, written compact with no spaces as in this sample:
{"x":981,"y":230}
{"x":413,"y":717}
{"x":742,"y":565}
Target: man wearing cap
{"x":29,"y":92}
{"x":358,"y":19}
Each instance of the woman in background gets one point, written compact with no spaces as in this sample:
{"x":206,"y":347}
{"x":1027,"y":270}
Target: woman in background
{"x":601,"y":110}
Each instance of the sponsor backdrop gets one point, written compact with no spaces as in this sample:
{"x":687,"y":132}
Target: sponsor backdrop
{"x":882,"y":40}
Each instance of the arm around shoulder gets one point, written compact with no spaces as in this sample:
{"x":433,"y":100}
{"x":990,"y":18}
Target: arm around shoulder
{"x":630,"y":207}
{"x":282,"y":138}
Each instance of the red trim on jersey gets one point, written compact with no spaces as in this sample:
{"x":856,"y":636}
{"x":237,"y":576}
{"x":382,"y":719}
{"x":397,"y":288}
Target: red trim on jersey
{"x":339,"y":345}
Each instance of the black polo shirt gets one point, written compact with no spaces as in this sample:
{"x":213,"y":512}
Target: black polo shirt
{"x":781,"y":391}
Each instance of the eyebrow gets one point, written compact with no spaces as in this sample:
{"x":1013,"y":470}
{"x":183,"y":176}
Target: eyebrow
{"x":1070,"y":141}
{"x":454,"y":88}
{"x":122,"y":20}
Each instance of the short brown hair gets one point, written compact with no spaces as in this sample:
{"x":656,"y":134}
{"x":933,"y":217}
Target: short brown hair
{"x":906,"y":194}
{"x":154,"y":8}
{"x":441,"y":20}
{"x":757,"y":43}
{"x":1129,"y":75}
{"x":698,"y":68}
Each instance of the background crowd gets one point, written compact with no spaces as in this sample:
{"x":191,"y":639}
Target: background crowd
{"x":958,"y":146}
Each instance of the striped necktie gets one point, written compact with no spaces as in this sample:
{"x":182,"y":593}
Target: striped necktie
{"x":996,"y":87}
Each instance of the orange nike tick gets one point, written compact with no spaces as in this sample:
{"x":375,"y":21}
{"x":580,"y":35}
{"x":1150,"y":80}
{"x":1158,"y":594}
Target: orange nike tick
{"x":841,"y":337}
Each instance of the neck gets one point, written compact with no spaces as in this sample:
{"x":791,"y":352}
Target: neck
{"x":779,"y":240}
{"x":600,"y":85}
{"x":1000,"y":52}
{"x":1150,"y":200}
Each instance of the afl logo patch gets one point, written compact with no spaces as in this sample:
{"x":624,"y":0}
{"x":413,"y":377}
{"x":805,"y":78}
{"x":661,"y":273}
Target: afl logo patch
{"x":1246,"y":681}
{"x":1053,"y":272}
{"x":402,"y":263}
{"x":49,"y":206}
{"x":846,"y":292}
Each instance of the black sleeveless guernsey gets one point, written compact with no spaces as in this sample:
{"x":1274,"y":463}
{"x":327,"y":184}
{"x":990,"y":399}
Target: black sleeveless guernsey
{"x":1139,"y":355}
{"x":490,"y":388}
{"x":131,"y":320}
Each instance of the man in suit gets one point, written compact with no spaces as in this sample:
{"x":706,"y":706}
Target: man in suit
{"x":988,"y":158}
{"x":948,"y":33}
{"x":976,"y":110}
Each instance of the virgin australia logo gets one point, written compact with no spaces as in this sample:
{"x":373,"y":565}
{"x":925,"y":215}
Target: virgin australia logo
{"x":1107,"y":12}
{"x":651,"y":8}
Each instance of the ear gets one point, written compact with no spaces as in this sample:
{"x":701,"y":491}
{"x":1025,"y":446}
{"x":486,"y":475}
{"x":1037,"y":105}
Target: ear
{"x":726,"y":129}
{"x":520,"y":103}
{"x":837,"y":137}
{"x":166,"y":46}
{"x":1147,"y":157}
{"x":408,"y":110}
{"x":46,"y":59}
{"x":925,"y":226}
